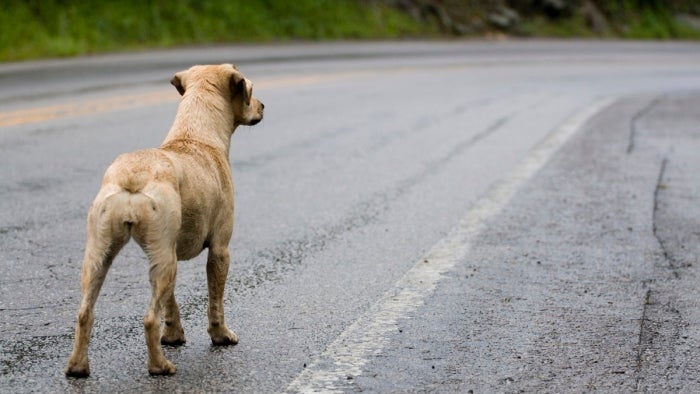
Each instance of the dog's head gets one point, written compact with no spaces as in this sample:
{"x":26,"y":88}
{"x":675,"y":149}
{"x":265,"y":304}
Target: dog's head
{"x":226,"y":80}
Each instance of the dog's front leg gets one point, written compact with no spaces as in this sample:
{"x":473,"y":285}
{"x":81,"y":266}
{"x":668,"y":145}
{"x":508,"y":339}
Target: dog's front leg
{"x":217,"y":270}
{"x":173,"y":333}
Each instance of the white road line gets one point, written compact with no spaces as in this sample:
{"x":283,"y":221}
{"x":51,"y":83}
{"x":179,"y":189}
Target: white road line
{"x":367,"y":336}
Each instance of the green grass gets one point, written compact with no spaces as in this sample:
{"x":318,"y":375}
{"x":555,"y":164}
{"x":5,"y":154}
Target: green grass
{"x":58,"y":28}
{"x":55,"y":28}
{"x":658,"y":24}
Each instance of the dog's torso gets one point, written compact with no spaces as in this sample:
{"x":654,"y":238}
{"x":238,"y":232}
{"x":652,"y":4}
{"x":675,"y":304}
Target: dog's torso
{"x":206,"y":190}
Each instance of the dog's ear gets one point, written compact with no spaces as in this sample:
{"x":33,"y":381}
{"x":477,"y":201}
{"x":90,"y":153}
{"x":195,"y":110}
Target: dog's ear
{"x":240,"y":85}
{"x":178,"y":80}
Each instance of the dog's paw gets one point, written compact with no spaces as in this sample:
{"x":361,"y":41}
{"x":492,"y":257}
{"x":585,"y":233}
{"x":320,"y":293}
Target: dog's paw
{"x":172,"y":341}
{"x":223,"y":337}
{"x":163,"y":368}
{"x":173,"y":336}
{"x":77,"y":371}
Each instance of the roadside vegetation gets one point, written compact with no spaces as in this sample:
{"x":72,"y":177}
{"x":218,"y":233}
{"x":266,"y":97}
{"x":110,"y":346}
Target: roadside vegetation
{"x":51,"y":28}
{"x":57,"y":28}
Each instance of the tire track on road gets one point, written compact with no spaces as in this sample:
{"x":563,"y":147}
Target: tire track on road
{"x":291,"y":253}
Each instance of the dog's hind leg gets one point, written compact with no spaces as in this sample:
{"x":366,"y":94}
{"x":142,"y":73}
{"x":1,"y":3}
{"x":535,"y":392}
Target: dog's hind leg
{"x":156,"y":233}
{"x":163,"y":272}
{"x":217,"y":270}
{"x":104,"y":240}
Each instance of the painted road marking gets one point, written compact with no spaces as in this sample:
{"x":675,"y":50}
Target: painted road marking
{"x":367,"y":336}
{"x":159,"y":96}
{"x":82,"y":108}
{"x":163,"y":95}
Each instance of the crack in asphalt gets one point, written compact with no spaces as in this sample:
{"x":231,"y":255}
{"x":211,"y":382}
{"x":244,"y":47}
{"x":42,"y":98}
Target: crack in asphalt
{"x":633,"y":122}
{"x":660,"y":324}
{"x":645,"y":336}
{"x":655,"y":229}
{"x":647,"y":331}
{"x":656,"y":319}
{"x":660,"y":331}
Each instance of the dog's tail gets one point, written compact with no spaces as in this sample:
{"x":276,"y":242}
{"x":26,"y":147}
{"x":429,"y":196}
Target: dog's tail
{"x":135,"y":182}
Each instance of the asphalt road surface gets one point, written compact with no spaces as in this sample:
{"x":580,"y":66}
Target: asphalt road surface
{"x":485,"y":216}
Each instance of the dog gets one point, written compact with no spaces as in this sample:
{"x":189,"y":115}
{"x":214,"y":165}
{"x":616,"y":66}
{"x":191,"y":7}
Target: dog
{"x":174,"y":201}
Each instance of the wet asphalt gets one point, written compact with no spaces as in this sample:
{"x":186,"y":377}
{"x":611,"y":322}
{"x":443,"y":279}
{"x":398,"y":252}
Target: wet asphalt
{"x":369,"y":154}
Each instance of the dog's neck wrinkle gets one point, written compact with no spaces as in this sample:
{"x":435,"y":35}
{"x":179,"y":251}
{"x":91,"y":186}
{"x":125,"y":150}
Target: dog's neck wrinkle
{"x":207,"y":121}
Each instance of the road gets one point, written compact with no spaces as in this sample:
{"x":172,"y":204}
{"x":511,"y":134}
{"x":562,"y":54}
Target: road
{"x":485,"y":216}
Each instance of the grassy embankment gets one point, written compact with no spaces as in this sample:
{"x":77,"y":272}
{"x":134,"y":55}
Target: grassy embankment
{"x":58,"y":28}
{"x":55,"y":28}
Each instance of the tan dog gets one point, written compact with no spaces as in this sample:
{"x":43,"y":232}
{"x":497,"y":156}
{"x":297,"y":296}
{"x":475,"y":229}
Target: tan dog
{"x":175,"y":201}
